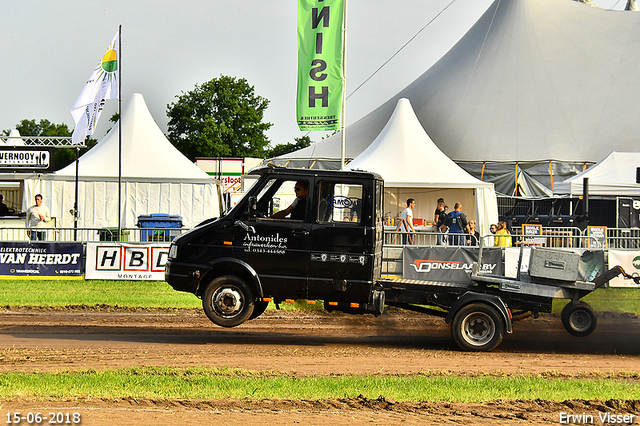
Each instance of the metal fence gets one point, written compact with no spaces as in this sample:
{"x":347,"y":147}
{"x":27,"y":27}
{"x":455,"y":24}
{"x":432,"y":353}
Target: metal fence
{"x":137,"y":235}
{"x":616,"y":238}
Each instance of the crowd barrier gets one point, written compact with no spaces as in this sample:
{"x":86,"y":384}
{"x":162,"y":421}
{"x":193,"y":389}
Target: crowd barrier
{"x":136,"y":235}
{"x":616,"y":238}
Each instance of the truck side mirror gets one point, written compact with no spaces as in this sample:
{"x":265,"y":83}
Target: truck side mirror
{"x":252,"y":208}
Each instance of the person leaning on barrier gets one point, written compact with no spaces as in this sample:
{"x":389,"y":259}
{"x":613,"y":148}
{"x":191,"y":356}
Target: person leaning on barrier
{"x":474,"y":236}
{"x":503,"y":236}
{"x":37,"y":217}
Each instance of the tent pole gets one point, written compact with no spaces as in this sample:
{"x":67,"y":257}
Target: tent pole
{"x":119,"y":132}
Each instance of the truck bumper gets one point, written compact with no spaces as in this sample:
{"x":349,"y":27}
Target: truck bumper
{"x":182,"y":277}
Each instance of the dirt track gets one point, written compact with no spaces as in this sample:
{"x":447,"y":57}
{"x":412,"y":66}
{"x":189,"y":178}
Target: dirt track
{"x":309,"y":344}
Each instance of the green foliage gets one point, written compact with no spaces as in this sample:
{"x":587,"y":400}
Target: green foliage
{"x":62,"y":156}
{"x":220,"y":118}
{"x":285,"y":148}
{"x":215,"y":383}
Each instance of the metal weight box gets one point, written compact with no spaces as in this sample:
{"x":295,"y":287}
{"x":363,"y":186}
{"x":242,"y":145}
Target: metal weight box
{"x":554,"y":264}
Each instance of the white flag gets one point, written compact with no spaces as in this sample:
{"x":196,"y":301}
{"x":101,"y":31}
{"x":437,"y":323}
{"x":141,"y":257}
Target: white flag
{"x":102,"y":85}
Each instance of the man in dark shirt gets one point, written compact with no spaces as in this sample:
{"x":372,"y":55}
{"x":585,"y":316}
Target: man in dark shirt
{"x":299,"y":205}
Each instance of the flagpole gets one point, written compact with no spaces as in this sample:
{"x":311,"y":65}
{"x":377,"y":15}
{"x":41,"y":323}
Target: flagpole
{"x":119,"y":132}
{"x":75,"y":203}
{"x":344,"y":88}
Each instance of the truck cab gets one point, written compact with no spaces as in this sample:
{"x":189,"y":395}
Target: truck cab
{"x":327,"y":247}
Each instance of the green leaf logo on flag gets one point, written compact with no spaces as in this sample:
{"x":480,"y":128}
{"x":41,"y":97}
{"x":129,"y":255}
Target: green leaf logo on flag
{"x":110,"y":61}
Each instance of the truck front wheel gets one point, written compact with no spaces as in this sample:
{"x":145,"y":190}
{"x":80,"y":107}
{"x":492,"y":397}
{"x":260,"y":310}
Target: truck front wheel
{"x":477,"y":327}
{"x":228,"y":301}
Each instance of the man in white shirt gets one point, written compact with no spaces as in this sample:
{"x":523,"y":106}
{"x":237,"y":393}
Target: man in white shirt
{"x":37,"y":217}
{"x":406,"y":224}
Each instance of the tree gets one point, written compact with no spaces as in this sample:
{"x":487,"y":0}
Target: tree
{"x":220,"y":118}
{"x":62,"y":156}
{"x":285,"y":148}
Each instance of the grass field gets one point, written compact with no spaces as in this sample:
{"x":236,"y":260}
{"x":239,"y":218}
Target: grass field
{"x":164,"y":382}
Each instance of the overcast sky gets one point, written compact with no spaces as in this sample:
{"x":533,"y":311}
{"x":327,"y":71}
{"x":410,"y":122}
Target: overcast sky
{"x":49,"y":49}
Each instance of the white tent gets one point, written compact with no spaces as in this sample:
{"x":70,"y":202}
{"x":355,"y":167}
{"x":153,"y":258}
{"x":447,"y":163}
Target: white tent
{"x":613,"y":176}
{"x":535,"y":86}
{"x":156,"y":178}
{"x":414,"y":167}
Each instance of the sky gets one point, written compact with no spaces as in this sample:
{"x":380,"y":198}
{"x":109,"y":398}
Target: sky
{"x":49,"y":49}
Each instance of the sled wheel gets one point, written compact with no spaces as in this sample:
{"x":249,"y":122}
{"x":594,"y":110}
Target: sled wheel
{"x":228,"y":301}
{"x":477,"y":327}
{"x":579,"y":319}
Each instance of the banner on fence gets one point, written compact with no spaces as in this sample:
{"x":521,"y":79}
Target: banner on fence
{"x":446,"y":264}
{"x":630,"y":262}
{"x":126,"y":261}
{"x":45,"y":260}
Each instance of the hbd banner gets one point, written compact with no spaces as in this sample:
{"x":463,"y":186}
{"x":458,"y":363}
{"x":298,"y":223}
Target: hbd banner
{"x":126,"y":261}
{"x":448,"y":264}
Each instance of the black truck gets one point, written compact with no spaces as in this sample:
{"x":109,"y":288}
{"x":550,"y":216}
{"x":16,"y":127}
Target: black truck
{"x":332,"y":252}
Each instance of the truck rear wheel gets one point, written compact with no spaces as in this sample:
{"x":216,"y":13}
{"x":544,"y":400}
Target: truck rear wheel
{"x":578,"y":318}
{"x":228,"y":301}
{"x":477,"y":327}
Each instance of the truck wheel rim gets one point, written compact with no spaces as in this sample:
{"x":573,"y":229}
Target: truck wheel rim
{"x":580,"y":320}
{"x":227,"y":301}
{"x":478,"y":329}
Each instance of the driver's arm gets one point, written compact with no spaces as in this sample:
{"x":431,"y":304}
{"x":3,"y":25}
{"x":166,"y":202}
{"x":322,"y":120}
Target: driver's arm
{"x":282,"y":213}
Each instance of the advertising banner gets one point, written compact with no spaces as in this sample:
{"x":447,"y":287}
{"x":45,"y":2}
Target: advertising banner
{"x":319,"y":98}
{"x":46,"y":260}
{"x":630,"y":262}
{"x":126,"y":261}
{"x":447,"y":264}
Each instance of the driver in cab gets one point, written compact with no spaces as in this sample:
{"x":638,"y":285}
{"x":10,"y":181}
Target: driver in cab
{"x":297,"y":208}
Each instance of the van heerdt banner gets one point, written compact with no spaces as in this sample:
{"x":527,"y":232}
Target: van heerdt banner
{"x":448,"y":265}
{"x":41,"y":259}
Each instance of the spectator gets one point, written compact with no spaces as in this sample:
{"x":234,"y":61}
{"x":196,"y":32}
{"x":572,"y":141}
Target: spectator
{"x":505,"y":239}
{"x":406,"y":224}
{"x":458,"y":224}
{"x":37,"y":217}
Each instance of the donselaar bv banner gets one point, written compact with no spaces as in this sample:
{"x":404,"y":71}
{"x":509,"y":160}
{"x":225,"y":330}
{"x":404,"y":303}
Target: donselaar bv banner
{"x":447,"y":264}
{"x":46,"y":260}
{"x":319,"y":99}
{"x":102,"y":85}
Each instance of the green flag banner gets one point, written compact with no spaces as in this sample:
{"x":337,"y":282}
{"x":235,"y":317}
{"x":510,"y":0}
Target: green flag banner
{"x":319,"y":99}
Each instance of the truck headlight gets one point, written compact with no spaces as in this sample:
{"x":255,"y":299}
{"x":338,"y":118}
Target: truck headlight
{"x":173,"y":251}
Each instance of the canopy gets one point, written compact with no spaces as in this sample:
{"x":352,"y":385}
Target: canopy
{"x":535,"y":87}
{"x":412,"y":165}
{"x":613,"y":176}
{"x":156,"y":178}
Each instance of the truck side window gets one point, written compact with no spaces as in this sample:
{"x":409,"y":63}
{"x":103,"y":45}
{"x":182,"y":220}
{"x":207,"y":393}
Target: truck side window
{"x":339,"y":202}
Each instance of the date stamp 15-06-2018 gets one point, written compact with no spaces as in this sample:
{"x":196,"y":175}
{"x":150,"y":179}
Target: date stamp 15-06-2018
{"x":50,"y":418}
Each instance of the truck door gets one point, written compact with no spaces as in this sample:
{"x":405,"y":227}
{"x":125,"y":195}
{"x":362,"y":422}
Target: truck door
{"x":342,"y":253}
{"x":277,"y":247}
